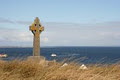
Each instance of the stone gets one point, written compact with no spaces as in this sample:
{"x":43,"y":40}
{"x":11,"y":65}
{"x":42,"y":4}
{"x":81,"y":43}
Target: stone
{"x":36,"y":59}
{"x":83,"y":67}
{"x":36,"y":28}
{"x":65,"y":64}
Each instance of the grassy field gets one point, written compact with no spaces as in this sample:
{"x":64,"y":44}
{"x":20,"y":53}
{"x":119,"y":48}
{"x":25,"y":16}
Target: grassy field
{"x":27,"y":70}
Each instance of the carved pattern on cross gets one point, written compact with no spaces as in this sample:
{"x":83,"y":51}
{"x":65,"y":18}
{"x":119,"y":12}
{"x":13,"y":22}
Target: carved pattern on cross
{"x":36,"y":27}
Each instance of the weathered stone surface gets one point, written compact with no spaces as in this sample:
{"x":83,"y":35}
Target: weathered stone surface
{"x":36,"y":46}
{"x":36,"y":59}
{"x":36,"y":28}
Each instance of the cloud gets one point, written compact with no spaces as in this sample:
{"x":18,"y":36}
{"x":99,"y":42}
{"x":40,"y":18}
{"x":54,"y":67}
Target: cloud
{"x":3,"y":20}
{"x":110,"y":35}
{"x":63,"y":24}
{"x":15,"y":35}
{"x":98,"y":34}
{"x":45,"y":39}
{"x":24,"y":22}
{"x":67,"y":34}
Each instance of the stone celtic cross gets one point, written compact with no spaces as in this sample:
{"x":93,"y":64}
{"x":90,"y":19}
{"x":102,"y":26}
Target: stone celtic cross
{"x":36,"y":28}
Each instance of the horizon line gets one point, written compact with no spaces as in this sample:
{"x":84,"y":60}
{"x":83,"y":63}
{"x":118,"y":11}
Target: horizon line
{"x":51,"y":46}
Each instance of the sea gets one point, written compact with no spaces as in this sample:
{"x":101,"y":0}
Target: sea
{"x":88,"y":55}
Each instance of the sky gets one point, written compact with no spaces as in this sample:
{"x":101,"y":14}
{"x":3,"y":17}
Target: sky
{"x":66,"y":22}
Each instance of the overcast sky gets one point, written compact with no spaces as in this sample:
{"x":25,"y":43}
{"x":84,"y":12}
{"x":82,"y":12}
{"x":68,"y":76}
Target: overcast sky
{"x":66,"y":22}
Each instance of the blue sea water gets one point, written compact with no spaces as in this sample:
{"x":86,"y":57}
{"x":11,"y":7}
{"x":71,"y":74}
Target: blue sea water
{"x":79,"y":54}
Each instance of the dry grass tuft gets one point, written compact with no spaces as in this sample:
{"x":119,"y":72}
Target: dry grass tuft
{"x":27,"y":70}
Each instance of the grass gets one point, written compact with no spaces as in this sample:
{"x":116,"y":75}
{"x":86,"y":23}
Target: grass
{"x":27,"y":70}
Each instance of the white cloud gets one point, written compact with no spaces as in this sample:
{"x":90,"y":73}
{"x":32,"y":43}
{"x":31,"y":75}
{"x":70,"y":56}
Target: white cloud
{"x":59,"y":34}
{"x":3,"y":20}
{"x":15,"y":35}
{"x":108,"y":35}
{"x":45,"y":39}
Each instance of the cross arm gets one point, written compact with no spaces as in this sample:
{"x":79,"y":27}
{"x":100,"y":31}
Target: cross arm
{"x":33,"y":27}
{"x":41,"y":29}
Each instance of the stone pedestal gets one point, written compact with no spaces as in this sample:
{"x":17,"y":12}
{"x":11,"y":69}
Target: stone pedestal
{"x":36,"y":59}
